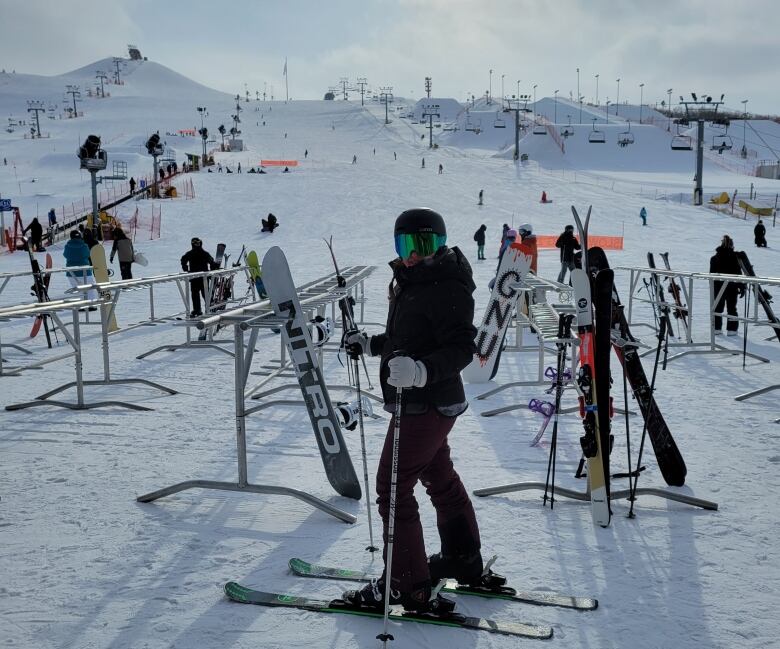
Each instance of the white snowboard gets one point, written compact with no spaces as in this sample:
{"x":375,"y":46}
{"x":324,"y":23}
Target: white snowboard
{"x":295,"y":332}
{"x":515,"y":265}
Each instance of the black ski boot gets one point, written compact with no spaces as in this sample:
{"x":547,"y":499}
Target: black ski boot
{"x":467,"y":570}
{"x":372,"y":596}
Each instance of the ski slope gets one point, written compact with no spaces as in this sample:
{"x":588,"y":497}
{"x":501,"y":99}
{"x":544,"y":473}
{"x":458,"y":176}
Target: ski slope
{"x":84,"y":565}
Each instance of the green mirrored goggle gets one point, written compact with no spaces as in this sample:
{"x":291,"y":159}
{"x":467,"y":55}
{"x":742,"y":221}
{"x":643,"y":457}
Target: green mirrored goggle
{"x":423,"y":243}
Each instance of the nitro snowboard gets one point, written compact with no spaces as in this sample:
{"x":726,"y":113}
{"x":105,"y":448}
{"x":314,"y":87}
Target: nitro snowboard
{"x":295,"y":332}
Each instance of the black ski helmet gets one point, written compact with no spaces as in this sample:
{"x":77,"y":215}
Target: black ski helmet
{"x":420,"y":219}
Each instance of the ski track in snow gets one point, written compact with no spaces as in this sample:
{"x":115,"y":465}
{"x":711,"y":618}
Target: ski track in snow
{"x":86,"y":566}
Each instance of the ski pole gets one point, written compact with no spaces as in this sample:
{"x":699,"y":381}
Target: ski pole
{"x":385,"y":636}
{"x":371,"y":547}
{"x":744,"y":333}
{"x":661,"y":336}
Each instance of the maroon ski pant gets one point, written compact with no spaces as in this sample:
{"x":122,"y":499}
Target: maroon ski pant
{"x":423,"y":454}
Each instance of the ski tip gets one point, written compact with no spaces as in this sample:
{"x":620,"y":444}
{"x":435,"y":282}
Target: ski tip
{"x":298,"y":565}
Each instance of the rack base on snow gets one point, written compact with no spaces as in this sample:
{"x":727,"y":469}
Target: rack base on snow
{"x":616,"y":494}
{"x":52,"y":310}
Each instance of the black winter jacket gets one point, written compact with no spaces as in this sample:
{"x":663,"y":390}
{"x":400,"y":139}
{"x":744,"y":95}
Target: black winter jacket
{"x":197,"y":260}
{"x":759,"y":232}
{"x":726,"y":262}
{"x":479,"y":235}
{"x":568,"y":244}
{"x":430,"y":319}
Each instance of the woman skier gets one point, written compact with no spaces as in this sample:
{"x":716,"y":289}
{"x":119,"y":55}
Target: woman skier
{"x":428,"y":340}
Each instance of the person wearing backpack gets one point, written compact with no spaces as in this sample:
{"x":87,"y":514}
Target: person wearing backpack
{"x":479,"y":237}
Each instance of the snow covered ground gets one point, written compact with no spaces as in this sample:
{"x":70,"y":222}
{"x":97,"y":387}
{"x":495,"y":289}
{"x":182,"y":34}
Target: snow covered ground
{"x":85,"y":565}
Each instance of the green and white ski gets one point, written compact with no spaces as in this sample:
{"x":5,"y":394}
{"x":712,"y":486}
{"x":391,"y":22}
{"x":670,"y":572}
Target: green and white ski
{"x":540,"y":598}
{"x":238,"y":593}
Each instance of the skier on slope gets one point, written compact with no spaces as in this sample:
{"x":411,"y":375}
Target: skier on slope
{"x":725,"y":261}
{"x":759,"y":232}
{"x":197,"y":260}
{"x":567,"y":243}
{"x":429,"y":339}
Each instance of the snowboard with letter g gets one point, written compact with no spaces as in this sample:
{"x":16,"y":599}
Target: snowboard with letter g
{"x":295,"y":332}
{"x":514,"y":266}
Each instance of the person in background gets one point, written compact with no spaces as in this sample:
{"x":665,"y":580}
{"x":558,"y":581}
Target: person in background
{"x":567,"y":243}
{"x":132,"y":185}
{"x":479,"y":237}
{"x":441,"y":168}
{"x":89,"y":238}
{"x":36,"y":234}
{"x":52,"y":218}
{"x":481,"y":194}
{"x":726,"y":262}
{"x":76,"y":253}
{"x":123,"y":249}
{"x":197,"y":260}
{"x":759,"y":232}
{"x":643,"y":216}
{"x":528,"y":238}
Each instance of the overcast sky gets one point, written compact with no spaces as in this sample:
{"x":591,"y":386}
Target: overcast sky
{"x":708,"y":46}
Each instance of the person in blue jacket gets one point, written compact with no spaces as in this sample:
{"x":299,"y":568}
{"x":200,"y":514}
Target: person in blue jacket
{"x":76,"y":253}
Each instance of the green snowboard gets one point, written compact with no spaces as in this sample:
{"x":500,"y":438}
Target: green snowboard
{"x":256,"y":272}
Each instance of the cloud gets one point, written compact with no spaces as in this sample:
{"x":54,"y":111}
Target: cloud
{"x":710,"y":46}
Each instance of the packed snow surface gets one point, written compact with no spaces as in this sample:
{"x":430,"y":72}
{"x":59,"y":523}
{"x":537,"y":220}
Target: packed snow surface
{"x":85,"y":565}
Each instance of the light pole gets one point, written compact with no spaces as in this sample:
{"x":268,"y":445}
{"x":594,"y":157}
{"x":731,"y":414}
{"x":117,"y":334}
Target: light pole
{"x":641,"y":95}
{"x":555,"y":111}
{"x":518,"y":88}
{"x":502,"y":87}
{"x":743,"y":152}
{"x":490,"y":86}
{"x":535,"y":102}
{"x":617,"y":100}
{"x":669,"y":126}
{"x":597,"y":90}
{"x":608,"y":110}
{"x":202,"y":111}
{"x":578,"y":93}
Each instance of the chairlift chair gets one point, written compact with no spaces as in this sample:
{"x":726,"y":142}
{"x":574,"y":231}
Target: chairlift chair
{"x":596,"y":136}
{"x":567,"y":131}
{"x":626,"y":137}
{"x":539,"y":129}
{"x":499,"y":122}
{"x":682,"y":142}
{"x":722,"y":143}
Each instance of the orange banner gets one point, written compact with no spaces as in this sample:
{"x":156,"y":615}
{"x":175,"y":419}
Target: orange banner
{"x":547,"y":241}
{"x":278,"y":163}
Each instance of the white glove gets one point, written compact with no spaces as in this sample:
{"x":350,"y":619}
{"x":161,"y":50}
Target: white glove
{"x":358,"y":343}
{"x":405,"y":372}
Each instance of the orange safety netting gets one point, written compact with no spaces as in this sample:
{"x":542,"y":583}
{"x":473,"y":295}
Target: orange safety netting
{"x":546,"y":241}
{"x":278,"y":163}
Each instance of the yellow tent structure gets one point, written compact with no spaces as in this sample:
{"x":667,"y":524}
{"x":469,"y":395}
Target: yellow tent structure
{"x":720,"y":199}
{"x":758,"y":210}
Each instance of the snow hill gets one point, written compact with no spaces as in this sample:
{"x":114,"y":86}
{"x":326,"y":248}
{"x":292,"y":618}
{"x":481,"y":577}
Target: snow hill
{"x":85,"y":565}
